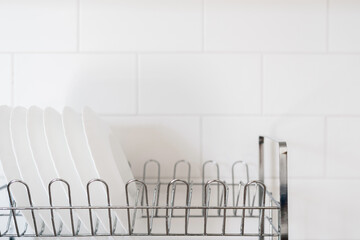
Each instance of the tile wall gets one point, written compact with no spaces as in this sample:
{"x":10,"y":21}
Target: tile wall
{"x":200,"y":80}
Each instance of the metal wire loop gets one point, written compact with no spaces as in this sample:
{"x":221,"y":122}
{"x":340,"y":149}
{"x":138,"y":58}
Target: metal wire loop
{"x":217,"y":178}
{"x":158,"y":182}
{"x":168,"y":216}
{"x":145,"y":167}
{"x":70,"y":204}
{"x":189,"y":169}
{"x":262,"y":203}
{"x":8,"y":224}
{"x":225,"y":188}
{"x":108,"y":202}
{"x":128,"y":204}
{"x":12,"y":205}
{"x":241,"y":183}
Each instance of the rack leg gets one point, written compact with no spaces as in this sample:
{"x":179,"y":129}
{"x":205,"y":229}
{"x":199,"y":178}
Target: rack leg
{"x":284,"y":228}
{"x":261,"y":175}
{"x":283,"y":158}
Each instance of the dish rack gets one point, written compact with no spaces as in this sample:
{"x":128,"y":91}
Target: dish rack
{"x":241,"y":209}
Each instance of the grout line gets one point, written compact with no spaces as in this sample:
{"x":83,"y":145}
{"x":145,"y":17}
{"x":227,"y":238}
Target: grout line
{"x":327,"y":26}
{"x":325,"y":146}
{"x":324,"y":179}
{"x":227,"y":115}
{"x":78,"y":27}
{"x":203,"y":25}
{"x":137,"y":89}
{"x":262,"y":84}
{"x":174,"y":115}
{"x":198,"y":178}
{"x":184,"y":52}
{"x":201,"y":139}
{"x":343,"y":116}
{"x":103,"y":52}
{"x":12,"y":79}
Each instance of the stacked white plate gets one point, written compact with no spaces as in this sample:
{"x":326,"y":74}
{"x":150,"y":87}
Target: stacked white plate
{"x":38,"y":145}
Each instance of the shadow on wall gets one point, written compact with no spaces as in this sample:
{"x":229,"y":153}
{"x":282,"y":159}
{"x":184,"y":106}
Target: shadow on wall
{"x":159,"y":142}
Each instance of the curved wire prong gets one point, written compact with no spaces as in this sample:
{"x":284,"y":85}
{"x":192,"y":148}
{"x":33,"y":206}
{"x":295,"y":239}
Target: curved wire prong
{"x":175,"y":171}
{"x":25,"y":229}
{"x":138,"y":190}
{"x":78,"y":227}
{"x":97,"y":224}
{"x":168,"y":216}
{"x":42,"y":229}
{"x":246,"y":167}
{"x":144,"y":187}
{"x":93,"y":233}
{"x":189,"y":169}
{"x":158,"y":181}
{"x":61,"y":225}
{"x":115,"y":221}
{"x":70,"y":204}
{"x":189,"y":202}
{"x":217,"y":178}
{"x":12,"y":205}
{"x":223,"y":193}
{"x":262,"y":201}
{"x":8,"y":223}
{"x":207,"y":188}
{"x":154,"y":203}
{"x":240,"y":186}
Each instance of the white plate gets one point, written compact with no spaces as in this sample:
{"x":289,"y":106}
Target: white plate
{"x":44,"y":161}
{"x":113,"y":150}
{"x":121,"y":161}
{"x":9,"y":165}
{"x":76,"y":140}
{"x":97,"y":139}
{"x":64,"y":163}
{"x":26,"y":162}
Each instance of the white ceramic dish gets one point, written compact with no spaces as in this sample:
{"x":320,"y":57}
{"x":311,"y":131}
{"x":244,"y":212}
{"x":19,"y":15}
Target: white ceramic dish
{"x":104,"y":161}
{"x":9,"y":165}
{"x":44,"y":161}
{"x":121,"y":161}
{"x":81,"y":155}
{"x":112,"y":149}
{"x":65,"y":166}
{"x":99,"y":142}
{"x":26,"y":162}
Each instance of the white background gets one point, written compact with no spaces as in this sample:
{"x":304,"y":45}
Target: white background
{"x":200,"y":79}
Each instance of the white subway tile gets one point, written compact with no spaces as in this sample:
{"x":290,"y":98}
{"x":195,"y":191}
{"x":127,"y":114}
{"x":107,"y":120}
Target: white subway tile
{"x":5,"y":79}
{"x":199,"y":84}
{"x":104,"y":82}
{"x":311,"y":84}
{"x":344,"y":25}
{"x":38,"y":25}
{"x":262,"y":25}
{"x":141,"y":25}
{"x":324,"y":209}
{"x":165,"y":139}
{"x":342,"y":151}
{"x":228,"y":139}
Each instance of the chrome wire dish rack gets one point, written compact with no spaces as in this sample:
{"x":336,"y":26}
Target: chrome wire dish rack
{"x":243,"y":208}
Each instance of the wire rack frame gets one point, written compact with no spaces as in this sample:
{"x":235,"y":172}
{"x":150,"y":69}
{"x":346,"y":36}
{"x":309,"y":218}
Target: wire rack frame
{"x":241,"y":192}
